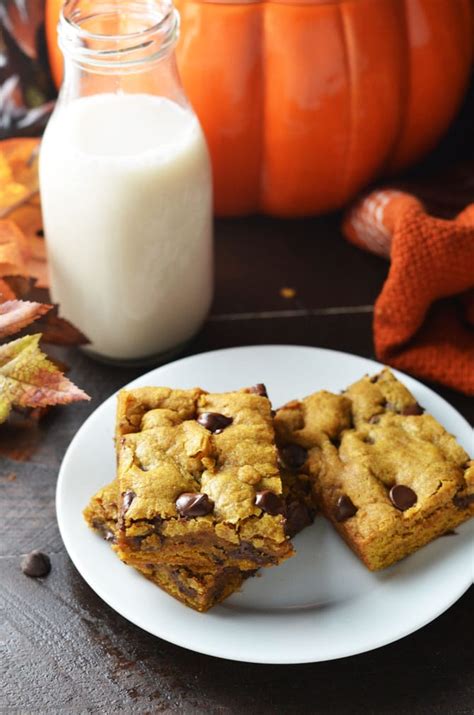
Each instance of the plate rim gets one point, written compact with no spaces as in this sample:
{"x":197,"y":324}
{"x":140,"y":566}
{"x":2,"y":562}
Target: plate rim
{"x":269,"y":660}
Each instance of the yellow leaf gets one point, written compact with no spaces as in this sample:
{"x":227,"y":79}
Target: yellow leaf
{"x":29,"y":379}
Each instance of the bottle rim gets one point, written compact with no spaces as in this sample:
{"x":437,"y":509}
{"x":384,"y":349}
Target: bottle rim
{"x":117,"y":49}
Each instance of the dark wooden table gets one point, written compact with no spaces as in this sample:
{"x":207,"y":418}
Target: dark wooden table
{"x":66,"y":651}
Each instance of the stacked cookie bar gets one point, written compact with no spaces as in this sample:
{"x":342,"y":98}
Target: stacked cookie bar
{"x":199,"y":502}
{"x":211,"y":487}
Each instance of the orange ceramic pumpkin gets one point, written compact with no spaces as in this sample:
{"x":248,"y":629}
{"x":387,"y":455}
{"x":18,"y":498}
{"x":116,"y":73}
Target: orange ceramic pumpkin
{"x":303,"y":103}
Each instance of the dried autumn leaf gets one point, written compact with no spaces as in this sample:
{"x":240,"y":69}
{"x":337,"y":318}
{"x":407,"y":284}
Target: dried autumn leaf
{"x":12,"y":241}
{"x":59,"y":331}
{"x":29,"y":220}
{"x":29,"y":379}
{"x":22,"y":20}
{"x":6,"y":291}
{"x":12,"y":287}
{"x":18,"y":172}
{"x":11,"y":261}
{"x":17,"y":314}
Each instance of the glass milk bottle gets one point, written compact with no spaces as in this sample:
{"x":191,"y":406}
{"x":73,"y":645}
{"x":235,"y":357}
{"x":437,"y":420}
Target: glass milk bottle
{"x":126,"y":184}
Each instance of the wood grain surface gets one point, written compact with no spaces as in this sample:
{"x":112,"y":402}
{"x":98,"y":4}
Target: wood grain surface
{"x":64,"y":650}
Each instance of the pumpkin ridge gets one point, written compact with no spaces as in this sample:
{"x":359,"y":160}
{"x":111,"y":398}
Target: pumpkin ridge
{"x":438,"y":75}
{"x":350,"y":104}
{"x":405,"y":81}
{"x":263,"y":112}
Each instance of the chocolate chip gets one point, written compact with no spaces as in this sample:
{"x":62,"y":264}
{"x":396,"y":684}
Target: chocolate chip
{"x":344,"y":508}
{"x":305,"y":486}
{"x":157,"y":523}
{"x":374,"y":419}
{"x":259,"y":389}
{"x":374,"y":378}
{"x":293,"y":456}
{"x":415,"y":409}
{"x":402,"y":497}
{"x":36,"y":564}
{"x":248,"y":550}
{"x":127,"y":498}
{"x":135,"y":542}
{"x":103,"y":530}
{"x":298,"y":516}
{"x":269,"y":502}
{"x":191,"y":504}
{"x":463,"y":501}
{"x":450,"y":532}
{"x":214,"y":421}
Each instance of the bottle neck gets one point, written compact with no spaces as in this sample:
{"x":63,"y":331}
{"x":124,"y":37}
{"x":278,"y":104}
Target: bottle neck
{"x":119,"y":46}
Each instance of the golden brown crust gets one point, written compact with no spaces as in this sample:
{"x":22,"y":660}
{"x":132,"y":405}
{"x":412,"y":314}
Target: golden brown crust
{"x":374,"y":395}
{"x":133,"y":404}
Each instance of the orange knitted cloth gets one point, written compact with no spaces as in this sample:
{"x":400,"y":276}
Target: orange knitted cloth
{"x":424,"y":316}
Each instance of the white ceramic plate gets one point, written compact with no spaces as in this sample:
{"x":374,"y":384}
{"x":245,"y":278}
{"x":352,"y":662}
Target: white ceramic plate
{"x":320,"y":605}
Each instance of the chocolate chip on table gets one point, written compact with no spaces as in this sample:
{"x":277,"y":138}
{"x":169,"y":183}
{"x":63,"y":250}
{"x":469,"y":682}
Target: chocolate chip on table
{"x":402,"y":497}
{"x":344,"y":508}
{"x":214,"y":421}
{"x":293,"y":456}
{"x":297,"y":517}
{"x":191,"y":504}
{"x":127,"y":498}
{"x":269,"y":502}
{"x":259,"y":389}
{"x":36,"y":564}
{"x":415,"y":409}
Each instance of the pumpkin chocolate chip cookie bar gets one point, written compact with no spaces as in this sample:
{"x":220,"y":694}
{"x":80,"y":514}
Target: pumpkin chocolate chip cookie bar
{"x":386,"y":474}
{"x":197,"y":589}
{"x":200,"y":501}
{"x":199,"y":480}
{"x":201,"y":576}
